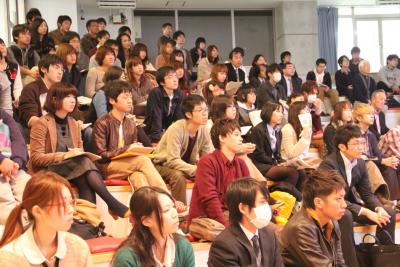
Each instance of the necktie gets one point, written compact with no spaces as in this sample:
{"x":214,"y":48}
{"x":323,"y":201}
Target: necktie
{"x":256,"y":247}
{"x":237,"y":74}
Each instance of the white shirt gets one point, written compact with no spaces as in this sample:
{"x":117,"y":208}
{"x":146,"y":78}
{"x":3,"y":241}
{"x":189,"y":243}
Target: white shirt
{"x":169,"y":254}
{"x":248,"y":234}
{"x":288,"y":85}
{"x":348,"y":165}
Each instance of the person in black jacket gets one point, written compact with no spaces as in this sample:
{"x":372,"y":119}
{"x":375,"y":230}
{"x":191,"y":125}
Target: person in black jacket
{"x":363,"y":84}
{"x":271,"y":90}
{"x":348,"y":162}
{"x":290,"y":82}
{"x":267,"y":155}
{"x":344,"y":78}
{"x":324,"y":81}
{"x":378,"y":100}
{"x":235,"y":73}
{"x":40,"y":39}
{"x":71,"y":72}
{"x":163,"y":104}
{"x":249,"y":240}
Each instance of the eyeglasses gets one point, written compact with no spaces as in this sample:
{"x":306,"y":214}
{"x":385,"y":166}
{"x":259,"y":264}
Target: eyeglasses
{"x":66,"y":204}
{"x":203,"y":110}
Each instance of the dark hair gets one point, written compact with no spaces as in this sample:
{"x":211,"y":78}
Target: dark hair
{"x":166,"y":25}
{"x":292,"y":96}
{"x":320,"y":61}
{"x":210,"y":48}
{"x":124,"y":29}
{"x":355,"y":49}
{"x":340,"y":60}
{"x":48,"y":60}
{"x":113,"y":73}
{"x":119,"y":39}
{"x":222,"y":127}
{"x":219,"y":105}
{"x":338,"y":112}
{"x":89,"y":22}
{"x":309,"y":87}
{"x":101,"y":34}
{"x":114,"y":88}
{"x":235,"y":51}
{"x":56,"y":94}
{"x":144,"y":202}
{"x":256,"y":58}
{"x":68,"y":36}
{"x":137,"y":48}
{"x":284,"y":65}
{"x":32,"y":13}
{"x":110,"y":42}
{"x":267,"y":110}
{"x":345,"y":133}
{"x":257,"y":70}
{"x":243,"y":191}
{"x":293,"y":119}
{"x":102,"y":53}
{"x":63,"y":18}
{"x":321,"y":184}
{"x":176,"y":53}
{"x":101,"y":20}
{"x":199,"y":40}
{"x":209,"y":88}
{"x":285,"y":54}
{"x":273,"y":68}
{"x":162,"y":73}
{"x":391,"y":57}
{"x":189,"y":102}
{"x":177,"y":34}
{"x":35,"y":37}
{"x":18,"y":29}
{"x":130,"y":63}
{"x":243,"y":91}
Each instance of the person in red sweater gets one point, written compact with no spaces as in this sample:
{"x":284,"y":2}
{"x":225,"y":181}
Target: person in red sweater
{"x":216,"y":171}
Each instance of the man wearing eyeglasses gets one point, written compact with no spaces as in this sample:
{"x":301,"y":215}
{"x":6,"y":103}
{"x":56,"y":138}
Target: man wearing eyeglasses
{"x":181,"y":146}
{"x":348,"y":162}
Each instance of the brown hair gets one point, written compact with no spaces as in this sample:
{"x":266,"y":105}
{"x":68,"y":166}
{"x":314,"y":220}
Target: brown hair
{"x":144,"y":202}
{"x":219,"y":68}
{"x":336,"y":119}
{"x":102,"y":53}
{"x":63,"y":50}
{"x":43,"y":189}
{"x":137,"y":48}
{"x":56,"y":95}
{"x":112,"y":73}
{"x":209,"y":88}
{"x":132,"y":62}
{"x":222,"y":127}
{"x":210,"y":48}
{"x":293,"y":119}
{"x":219,"y":105}
{"x":310,"y":87}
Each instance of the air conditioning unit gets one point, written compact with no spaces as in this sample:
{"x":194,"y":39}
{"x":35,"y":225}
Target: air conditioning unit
{"x":388,"y":2}
{"x":117,"y":4}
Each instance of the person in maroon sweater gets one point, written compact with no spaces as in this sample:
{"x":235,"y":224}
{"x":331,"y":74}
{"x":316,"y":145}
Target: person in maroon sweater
{"x":216,"y":171}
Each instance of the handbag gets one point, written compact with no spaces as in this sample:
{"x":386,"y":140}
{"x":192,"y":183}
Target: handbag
{"x":378,"y":255}
{"x":205,"y":228}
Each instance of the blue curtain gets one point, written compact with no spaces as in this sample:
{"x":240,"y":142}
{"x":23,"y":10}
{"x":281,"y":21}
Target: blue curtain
{"x":327,"y":36}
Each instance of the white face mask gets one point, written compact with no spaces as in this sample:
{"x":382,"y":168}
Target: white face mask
{"x":277,"y":77}
{"x":305,"y":120}
{"x":311,"y":98}
{"x":263,"y":216}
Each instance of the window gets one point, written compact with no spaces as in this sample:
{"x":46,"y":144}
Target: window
{"x":390,"y":41}
{"x":3,"y":21}
{"x":345,"y":36}
{"x":377,"y":10}
{"x":368,"y":41}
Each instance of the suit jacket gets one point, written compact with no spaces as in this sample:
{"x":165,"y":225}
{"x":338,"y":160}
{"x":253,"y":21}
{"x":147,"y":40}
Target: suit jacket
{"x":264,"y":94}
{"x":360,"y":92}
{"x":359,"y":182}
{"x":232,"y":73}
{"x":326,"y":80}
{"x":263,"y":157}
{"x":232,"y":248}
{"x":382,"y":122}
{"x":296,"y":86}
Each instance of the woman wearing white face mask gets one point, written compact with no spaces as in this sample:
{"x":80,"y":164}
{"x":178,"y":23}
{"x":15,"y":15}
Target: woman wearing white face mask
{"x":271,"y":90}
{"x":248,"y":241}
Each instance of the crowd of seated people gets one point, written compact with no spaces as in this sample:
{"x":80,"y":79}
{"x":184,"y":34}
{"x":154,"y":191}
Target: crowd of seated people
{"x":201,"y":122}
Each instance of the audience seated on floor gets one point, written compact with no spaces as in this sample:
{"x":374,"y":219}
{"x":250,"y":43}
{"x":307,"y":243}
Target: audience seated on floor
{"x":347,"y":160}
{"x":312,"y":235}
{"x":181,"y":146}
{"x":249,"y":240}
{"x":153,"y":240}
{"x":13,"y":161}
{"x":56,"y":145}
{"x":363,"y":83}
{"x":235,"y":72}
{"x":49,"y":203}
{"x":289,"y":81}
{"x":271,"y":90}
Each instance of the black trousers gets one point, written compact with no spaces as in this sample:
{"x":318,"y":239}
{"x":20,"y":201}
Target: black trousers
{"x":347,"y":234}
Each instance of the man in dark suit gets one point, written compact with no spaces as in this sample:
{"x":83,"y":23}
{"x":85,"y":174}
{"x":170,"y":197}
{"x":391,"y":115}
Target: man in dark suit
{"x":235,"y":73}
{"x":248,"y":241}
{"x":271,"y":90}
{"x":289,"y":82}
{"x":363,"y":83}
{"x":347,"y":161}
{"x":379,"y":128}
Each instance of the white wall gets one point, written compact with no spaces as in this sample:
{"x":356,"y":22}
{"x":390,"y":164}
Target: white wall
{"x":51,"y":9}
{"x":3,"y":21}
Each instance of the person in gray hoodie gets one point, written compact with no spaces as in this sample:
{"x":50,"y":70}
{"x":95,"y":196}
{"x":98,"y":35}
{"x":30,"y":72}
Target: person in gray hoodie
{"x":389,"y":75}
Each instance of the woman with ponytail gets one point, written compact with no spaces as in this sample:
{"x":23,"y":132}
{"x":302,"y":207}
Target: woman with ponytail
{"x":153,"y":242}
{"x":49,"y":204}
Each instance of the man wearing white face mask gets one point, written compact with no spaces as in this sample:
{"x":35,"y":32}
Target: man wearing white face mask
{"x":271,"y":90}
{"x":312,"y":236}
{"x":248,"y":241}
